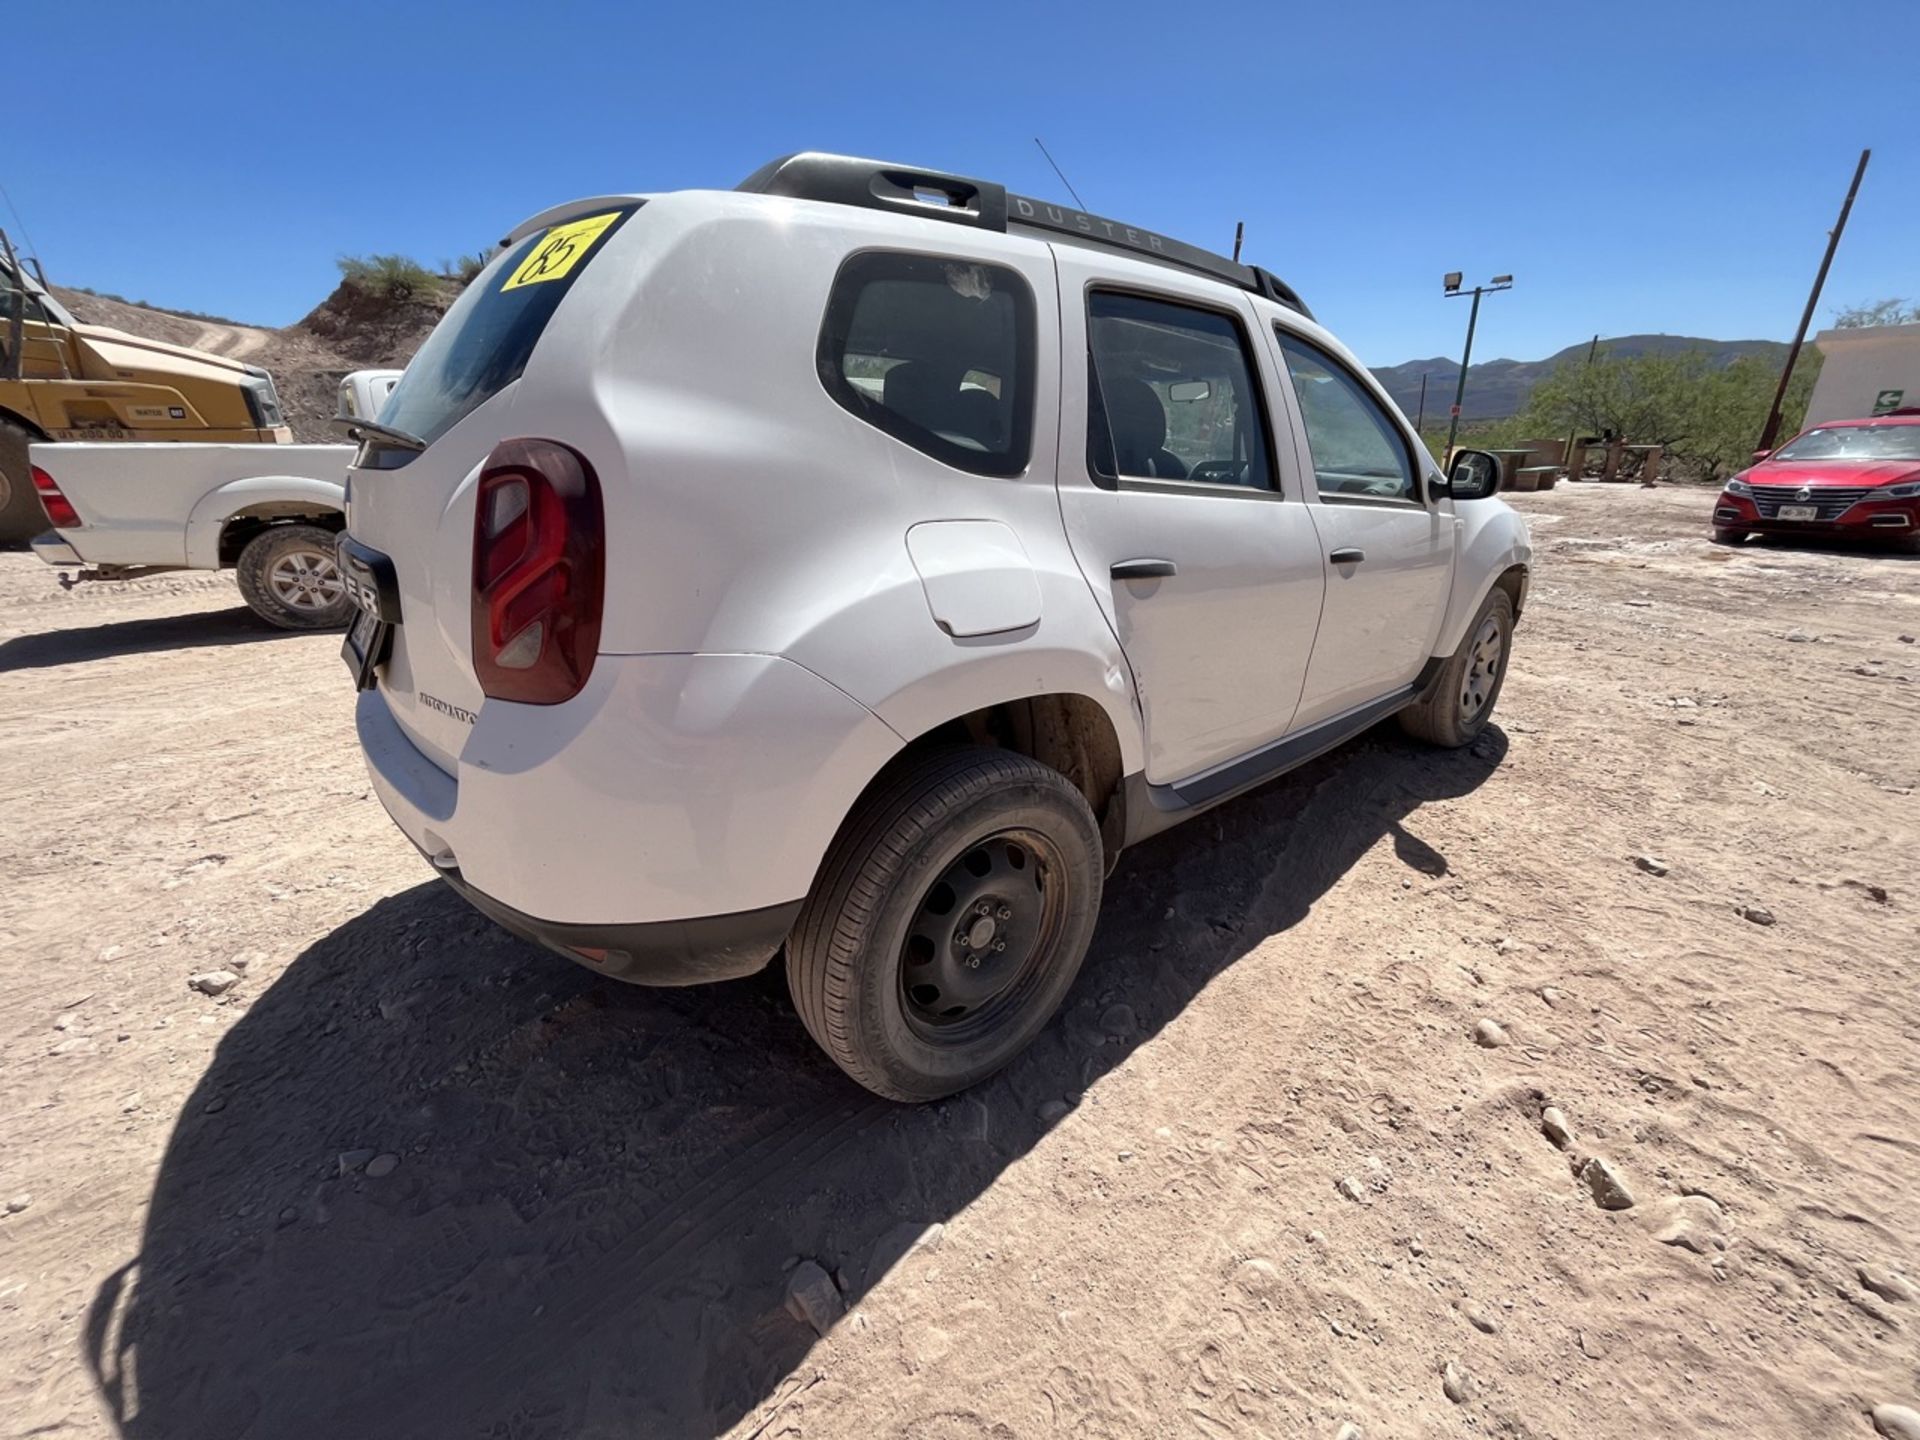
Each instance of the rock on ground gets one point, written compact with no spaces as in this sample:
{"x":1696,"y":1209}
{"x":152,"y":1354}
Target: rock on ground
{"x":1606,"y":1184}
{"x":1455,"y":1382}
{"x":1692,"y":1222}
{"x":213,"y":982}
{"x":1897,"y":1422}
{"x":813,"y":1298}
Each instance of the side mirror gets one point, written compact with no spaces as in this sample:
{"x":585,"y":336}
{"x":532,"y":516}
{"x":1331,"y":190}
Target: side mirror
{"x":1760,"y":455}
{"x":1475,"y":475}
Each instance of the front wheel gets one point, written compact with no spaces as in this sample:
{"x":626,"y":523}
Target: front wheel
{"x":948,"y":921}
{"x":290,"y":577}
{"x":1459,"y":702}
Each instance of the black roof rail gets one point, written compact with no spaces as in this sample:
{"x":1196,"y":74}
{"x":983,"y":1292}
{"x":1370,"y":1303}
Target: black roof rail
{"x":936,"y":195}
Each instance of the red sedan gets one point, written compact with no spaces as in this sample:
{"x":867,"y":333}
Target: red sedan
{"x":1858,"y":478}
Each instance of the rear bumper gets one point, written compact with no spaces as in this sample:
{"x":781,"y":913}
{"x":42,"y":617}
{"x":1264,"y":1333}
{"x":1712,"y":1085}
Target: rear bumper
{"x":53,"y":548}
{"x":663,"y":826}
{"x":661,"y":952}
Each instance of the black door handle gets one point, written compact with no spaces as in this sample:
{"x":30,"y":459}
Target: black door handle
{"x":1143,"y":569}
{"x":1348,"y":555}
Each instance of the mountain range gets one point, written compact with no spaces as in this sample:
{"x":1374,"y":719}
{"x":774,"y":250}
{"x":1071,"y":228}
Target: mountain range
{"x":1499,"y":388}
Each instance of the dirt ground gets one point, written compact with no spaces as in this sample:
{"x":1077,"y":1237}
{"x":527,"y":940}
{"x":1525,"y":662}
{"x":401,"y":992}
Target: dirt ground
{"x":411,"y":1177}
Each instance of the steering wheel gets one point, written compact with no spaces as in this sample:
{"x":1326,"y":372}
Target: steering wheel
{"x":1219,"y":472}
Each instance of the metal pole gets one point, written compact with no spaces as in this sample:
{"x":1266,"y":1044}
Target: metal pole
{"x":1420,"y":425}
{"x":14,"y":367}
{"x":1460,"y":390}
{"x":1239,"y":234}
{"x":1772,"y":430}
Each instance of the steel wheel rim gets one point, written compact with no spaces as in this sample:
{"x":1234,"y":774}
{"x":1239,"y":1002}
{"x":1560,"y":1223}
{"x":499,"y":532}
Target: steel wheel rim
{"x":983,"y":936}
{"x":306,"y":580}
{"x":1483,"y":667}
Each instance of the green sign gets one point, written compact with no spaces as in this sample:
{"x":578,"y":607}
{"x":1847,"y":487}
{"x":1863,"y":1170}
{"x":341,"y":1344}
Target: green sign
{"x":1887,"y":401}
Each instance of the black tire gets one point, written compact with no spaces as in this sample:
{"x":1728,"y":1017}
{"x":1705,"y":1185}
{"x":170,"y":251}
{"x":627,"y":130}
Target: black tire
{"x":1454,"y":711}
{"x":289,"y":577}
{"x":1723,"y":536}
{"x":865,"y":975}
{"x":21,"y":517}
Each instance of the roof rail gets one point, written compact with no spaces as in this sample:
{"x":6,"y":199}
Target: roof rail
{"x":936,"y":195}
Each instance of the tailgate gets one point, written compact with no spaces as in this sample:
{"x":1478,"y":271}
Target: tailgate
{"x":415,"y":506}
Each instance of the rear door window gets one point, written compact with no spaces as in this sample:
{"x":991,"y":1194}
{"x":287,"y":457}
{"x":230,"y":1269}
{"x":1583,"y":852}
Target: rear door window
{"x":939,"y":353}
{"x":1172,"y":395}
{"x":482,"y":343}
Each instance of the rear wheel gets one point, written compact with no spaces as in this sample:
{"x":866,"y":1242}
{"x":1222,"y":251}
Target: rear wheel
{"x":21,"y":517}
{"x":948,"y":922}
{"x":1724,"y":536}
{"x":290,"y":577}
{"x":1460,"y":700}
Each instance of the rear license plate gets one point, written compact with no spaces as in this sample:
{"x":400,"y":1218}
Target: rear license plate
{"x":1799,"y":512}
{"x":370,"y":581}
{"x":365,"y":647}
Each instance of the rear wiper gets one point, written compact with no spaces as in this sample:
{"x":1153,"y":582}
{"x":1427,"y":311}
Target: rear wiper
{"x":374,"y":430}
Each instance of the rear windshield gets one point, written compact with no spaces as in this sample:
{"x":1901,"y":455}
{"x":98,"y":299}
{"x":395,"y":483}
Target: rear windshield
{"x":482,"y":343}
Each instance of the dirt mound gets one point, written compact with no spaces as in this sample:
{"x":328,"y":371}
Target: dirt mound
{"x":374,"y":327}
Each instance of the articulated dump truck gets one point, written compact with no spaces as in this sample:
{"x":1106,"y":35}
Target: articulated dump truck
{"x":61,"y":380}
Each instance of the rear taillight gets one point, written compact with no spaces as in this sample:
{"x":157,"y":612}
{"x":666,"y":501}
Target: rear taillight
{"x":60,"y":512}
{"x":539,"y":572}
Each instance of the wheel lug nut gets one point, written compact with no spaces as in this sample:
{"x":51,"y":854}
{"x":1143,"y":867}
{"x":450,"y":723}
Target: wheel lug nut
{"x":1006,"y":912}
{"x":999,"y":944}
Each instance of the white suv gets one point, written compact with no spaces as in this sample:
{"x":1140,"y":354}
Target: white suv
{"x":853,"y":563}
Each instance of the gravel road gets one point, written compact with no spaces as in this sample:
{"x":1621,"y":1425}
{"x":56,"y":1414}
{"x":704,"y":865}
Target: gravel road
{"x":1273,"y":1172}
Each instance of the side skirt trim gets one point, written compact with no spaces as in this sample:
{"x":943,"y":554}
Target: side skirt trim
{"x":1152,"y":808}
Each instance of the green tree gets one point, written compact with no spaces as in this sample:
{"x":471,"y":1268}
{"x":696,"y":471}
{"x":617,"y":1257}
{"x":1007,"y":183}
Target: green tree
{"x":1893,"y":311}
{"x":1706,"y":419}
{"x":397,"y":277}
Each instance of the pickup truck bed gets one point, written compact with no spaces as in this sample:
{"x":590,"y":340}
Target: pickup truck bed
{"x":271,"y":512}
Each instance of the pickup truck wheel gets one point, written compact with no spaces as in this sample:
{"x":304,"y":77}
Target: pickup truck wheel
{"x":21,"y":517}
{"x":1460,"y":700}
{"x":290,"y":578}
{"x":948,"y":921}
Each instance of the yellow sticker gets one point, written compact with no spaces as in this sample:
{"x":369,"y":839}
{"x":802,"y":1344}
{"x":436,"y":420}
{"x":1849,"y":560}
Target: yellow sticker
{"x":561,"y":250}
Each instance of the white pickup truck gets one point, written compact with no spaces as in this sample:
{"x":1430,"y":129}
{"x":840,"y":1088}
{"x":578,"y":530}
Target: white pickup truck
{"x":270,"y":513}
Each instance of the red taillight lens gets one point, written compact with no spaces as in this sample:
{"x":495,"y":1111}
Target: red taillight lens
{"x":60,"y":512}
{"x":539,"y":572}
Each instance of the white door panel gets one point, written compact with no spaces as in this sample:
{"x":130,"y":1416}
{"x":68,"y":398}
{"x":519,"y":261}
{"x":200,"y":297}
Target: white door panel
{"x":1219,"y":647}
{"x":1382,"y":611}
{"x":1389,"y":560}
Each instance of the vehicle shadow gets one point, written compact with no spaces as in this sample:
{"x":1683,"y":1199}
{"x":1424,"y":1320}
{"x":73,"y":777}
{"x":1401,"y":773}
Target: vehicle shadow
{"x":599,"y":1188}
{"x":237,"y":626}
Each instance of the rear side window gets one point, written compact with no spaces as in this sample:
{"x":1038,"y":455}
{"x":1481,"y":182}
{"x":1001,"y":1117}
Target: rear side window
{"x":482,"y":343}
{"x":939,"y":353}
{"x":1171,"y":395}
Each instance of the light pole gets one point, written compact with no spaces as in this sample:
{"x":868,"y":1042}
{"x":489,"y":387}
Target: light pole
{"x":1451,"y":284}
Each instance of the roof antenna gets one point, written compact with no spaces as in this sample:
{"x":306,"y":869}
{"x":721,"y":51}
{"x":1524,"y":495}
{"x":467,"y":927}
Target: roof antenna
{"x":1239,"y":234}
{"x":1061,"y":173}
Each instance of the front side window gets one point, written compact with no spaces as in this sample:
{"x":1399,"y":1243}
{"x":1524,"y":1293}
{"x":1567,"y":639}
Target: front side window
{"x":1171,"y":395}
{"x":939,"y":353}
{"x":1357,"y":449}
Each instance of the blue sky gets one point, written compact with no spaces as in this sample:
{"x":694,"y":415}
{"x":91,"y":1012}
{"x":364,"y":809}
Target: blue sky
{"x":1638,"y":167}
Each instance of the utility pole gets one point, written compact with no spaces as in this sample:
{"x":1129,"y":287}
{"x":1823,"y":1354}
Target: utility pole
{"x":1239,"y":234}
{"x":1772,"y":430}
{"x":1451,"y":285}
{"x":1420,"y":425}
